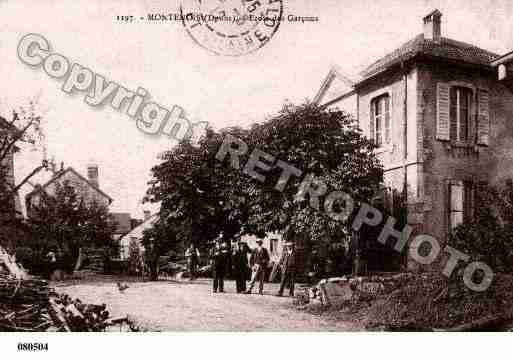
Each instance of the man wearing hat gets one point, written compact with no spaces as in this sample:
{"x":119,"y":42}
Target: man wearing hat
{"x":219,"y":260}
{"x":258,"y":262}
{"x":287,"y":264}
{"x":240,"y":267}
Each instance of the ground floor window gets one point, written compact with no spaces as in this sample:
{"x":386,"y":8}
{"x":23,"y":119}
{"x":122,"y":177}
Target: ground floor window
{"x":461,"y":195}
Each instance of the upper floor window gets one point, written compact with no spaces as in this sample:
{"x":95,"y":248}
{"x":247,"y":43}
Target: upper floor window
{"x":380,"y":119}
{"x":460,"y":110}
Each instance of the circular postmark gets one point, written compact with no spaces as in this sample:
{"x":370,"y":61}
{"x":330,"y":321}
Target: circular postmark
{"x":231,"y":27}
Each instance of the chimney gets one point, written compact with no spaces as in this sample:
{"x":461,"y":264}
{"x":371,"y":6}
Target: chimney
{"x":92,"y":175}
{"x":433,"y":26}
{"x":147,"y":215}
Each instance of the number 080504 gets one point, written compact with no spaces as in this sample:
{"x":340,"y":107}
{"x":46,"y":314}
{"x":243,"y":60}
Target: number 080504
{"x":32,"y":346}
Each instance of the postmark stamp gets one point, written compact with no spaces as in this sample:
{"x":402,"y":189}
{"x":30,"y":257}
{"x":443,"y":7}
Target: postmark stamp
{"x":231,"y":27}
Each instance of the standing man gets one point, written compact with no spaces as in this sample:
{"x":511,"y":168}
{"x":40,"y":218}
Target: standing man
{"x":192,"y":254}
{"x":288,"y":269}
{"x":219,"y":260}
{"x":258,"y":261}
{"x":240,"y":265}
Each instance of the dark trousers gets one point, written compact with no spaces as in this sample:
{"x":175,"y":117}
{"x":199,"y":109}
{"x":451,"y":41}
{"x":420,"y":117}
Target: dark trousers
{"x":287,"y":278}
{"x":218,"y":280}
{"x":240,"y":282}
{"x":192,"y":268}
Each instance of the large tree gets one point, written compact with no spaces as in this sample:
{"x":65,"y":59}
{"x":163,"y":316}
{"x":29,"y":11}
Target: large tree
{"x":330,"y":151}
{"x":22,"y":131}
{"x":201,"y":195}
{"x":198,"y":196}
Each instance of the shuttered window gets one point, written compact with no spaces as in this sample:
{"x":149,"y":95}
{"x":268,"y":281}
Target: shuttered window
{"x":442,"y":111}
{"x":483,"y":117}
{"x":380,"y":120}
{"x":460,"y":112}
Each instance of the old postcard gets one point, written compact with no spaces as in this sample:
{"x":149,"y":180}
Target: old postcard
{"x":255,"y":166}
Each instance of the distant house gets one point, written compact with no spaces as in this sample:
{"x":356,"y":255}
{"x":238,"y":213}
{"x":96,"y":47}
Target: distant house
{"x":88,"y":188}
{"x":440,"y":112}
{"x":134,"y":237}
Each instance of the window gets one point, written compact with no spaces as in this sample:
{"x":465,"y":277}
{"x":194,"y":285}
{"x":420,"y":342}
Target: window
{"x":380,"y":113}
{"x":460,"y":110}
{"x":461,"y":196}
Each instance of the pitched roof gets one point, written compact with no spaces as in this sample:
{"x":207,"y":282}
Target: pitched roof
{"x":445,"y":49}
{"x":59,"y":175}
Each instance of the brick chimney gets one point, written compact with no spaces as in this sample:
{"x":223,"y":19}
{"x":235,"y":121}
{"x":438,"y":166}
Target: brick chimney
{"x":92,"y":174}
{"x":147,"y":215}
{"x":433,"y":26}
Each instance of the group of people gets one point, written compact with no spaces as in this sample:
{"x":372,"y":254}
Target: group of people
{"x":234,"y":260}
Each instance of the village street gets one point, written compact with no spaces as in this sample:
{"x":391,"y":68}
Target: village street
{"x":169,"y":306}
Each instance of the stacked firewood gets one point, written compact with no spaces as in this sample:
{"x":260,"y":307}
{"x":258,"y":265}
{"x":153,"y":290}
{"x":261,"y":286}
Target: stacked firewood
{"x":31,"y":305}
{"x":23,"y":304}
{"x":73,"y":315}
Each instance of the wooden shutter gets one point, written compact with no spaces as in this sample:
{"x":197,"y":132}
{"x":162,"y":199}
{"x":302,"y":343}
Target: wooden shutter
{"x":371,"y":121}
{"x":442,"y":111}
{"x":483,"y":117}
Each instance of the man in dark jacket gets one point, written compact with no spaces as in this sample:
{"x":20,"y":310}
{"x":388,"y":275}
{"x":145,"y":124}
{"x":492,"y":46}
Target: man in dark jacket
{"x":288,"y":269}
{"x":258,"y":261}
{"x":240,"y":266}
{"x":219,"y":261}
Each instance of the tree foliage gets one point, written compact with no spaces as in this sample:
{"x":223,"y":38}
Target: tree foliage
{"x":488,"y":237}
{"x":22,"y":131}
{"x":323,"y":143}
{"x":67,"y":222}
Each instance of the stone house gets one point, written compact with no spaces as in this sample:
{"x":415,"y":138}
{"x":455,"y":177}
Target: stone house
{"x":88,"y":188}
{"x":441,"y":112}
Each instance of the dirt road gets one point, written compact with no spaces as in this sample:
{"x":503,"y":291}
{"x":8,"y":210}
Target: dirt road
{"x":171,"y":306}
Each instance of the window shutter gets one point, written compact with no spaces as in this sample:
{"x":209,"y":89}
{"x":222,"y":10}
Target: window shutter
{"x":483,"y":117}
{"x":371,"y":122}
{"x":442,"y":111}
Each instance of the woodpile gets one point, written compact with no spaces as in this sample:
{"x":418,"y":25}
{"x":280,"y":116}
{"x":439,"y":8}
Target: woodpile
{"x":24,"y":304}
{"x":93,"y":260}
{"x":32,"y":306}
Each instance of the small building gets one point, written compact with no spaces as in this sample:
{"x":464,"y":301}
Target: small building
{"x":134,"y":237}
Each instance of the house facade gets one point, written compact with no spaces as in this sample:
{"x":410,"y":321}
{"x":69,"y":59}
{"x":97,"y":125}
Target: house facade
{"x":441,"y":114}
{"x":88,"y":188}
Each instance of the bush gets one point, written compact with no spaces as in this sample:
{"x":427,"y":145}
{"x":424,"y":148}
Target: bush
{"x":488,"y":237}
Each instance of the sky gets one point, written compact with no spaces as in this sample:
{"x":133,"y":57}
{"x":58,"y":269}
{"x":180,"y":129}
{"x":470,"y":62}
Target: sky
{"x":225,"y":91}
